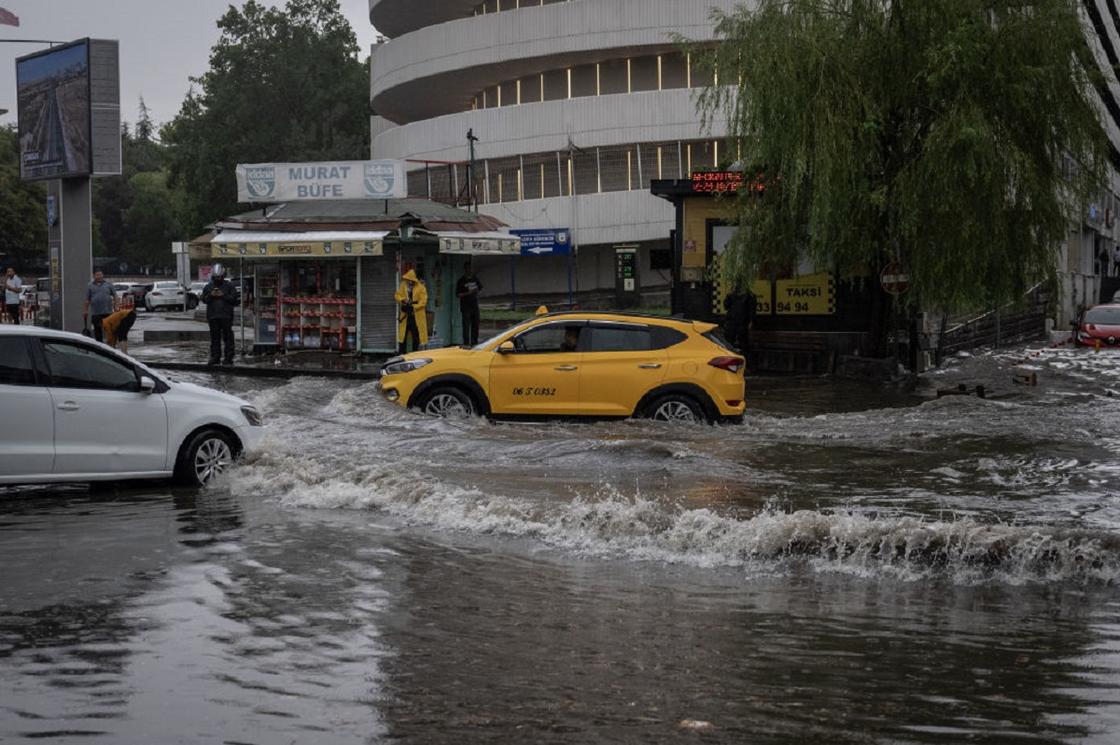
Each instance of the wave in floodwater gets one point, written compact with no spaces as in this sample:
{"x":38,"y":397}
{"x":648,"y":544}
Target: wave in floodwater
{"x":611,"y":525}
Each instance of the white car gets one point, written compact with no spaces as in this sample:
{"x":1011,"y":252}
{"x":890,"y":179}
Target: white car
{"x":77,"y":410}
{"x":165,"y":294}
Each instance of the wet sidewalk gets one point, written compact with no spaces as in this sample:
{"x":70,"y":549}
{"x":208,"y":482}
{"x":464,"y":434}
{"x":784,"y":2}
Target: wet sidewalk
{"x":176,"y":341}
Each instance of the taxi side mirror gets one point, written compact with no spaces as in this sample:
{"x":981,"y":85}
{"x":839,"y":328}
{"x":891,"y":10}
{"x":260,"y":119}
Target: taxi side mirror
{"x":506,"y":347}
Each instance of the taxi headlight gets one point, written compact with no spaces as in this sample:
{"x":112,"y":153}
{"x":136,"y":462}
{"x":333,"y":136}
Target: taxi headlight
{"x":396,"y":366}
{"x":252,"y":416}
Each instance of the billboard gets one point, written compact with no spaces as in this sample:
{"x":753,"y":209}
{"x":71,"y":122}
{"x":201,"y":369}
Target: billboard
{"x":69,"y":111}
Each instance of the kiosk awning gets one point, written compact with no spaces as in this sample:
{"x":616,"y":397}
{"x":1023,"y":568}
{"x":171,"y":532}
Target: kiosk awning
{"x":479,"y":244}
{"x":321,"y":244}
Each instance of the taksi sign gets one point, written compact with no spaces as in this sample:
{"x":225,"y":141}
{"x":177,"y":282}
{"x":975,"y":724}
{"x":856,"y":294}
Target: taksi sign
{"x":348,"y":179}
{"x":544,"y":241}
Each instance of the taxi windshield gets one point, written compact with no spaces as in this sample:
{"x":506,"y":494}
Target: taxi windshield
{"x":492,"y":342}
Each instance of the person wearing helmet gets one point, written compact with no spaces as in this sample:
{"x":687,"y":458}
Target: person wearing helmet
{"x":412,"y":319}
{"x":220,"y":296}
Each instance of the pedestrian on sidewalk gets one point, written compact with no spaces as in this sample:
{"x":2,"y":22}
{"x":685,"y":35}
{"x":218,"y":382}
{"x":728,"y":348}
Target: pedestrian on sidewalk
{"x":467,"y":288}
{"x":412,"y":318}
{"x":116,"y":327}
{"x":12,"y":285}
{"x":740,"y":307}
{"x":220,"y":296}
{"x":1116,"y":260}
{"x":99,"y":303}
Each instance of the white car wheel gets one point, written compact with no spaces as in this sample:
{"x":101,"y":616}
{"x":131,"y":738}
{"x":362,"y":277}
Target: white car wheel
{"x":208,"y":454}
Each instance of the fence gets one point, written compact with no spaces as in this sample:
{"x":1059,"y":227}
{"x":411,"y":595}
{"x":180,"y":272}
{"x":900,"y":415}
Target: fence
{"x":1011,"y":324}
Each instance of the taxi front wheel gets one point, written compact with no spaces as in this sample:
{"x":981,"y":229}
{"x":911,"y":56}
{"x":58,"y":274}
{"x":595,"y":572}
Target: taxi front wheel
{"x":675,"y":407}
{"x":446,"y":401}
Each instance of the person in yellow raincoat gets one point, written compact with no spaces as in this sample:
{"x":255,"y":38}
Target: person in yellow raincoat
{"x":412,"y":316}
{"x":117,"y":326}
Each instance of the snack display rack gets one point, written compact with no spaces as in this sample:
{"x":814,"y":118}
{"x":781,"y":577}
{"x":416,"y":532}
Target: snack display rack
{"x":266,"y":308}
{"x":319,"y":322}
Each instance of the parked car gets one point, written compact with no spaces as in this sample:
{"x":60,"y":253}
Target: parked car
{"x":166,"y":295}
{"x":1099,"y":325}
{"x":89,"y":413}
{"x":136,"y":291}
{"x":591,"y":364}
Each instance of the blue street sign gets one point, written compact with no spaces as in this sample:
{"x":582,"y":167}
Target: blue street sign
{"x":544,"y":241}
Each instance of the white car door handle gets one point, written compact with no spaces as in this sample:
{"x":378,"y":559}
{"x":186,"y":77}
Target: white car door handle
{"x":565,"y":368}
{"x":650,"y":365}
{"x":68,"y":406}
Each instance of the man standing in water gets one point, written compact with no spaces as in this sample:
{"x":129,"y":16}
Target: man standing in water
{"x":467,"y":289}
{"x":99,"y":303}
{"x":220,"y":296}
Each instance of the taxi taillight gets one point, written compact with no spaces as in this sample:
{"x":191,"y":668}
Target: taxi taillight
{"x":731,"y":364}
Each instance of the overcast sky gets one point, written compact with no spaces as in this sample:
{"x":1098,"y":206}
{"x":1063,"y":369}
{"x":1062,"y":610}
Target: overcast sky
{"x":163,"y":43}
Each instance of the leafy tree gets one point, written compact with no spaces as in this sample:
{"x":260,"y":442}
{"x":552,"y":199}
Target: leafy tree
{"x":935,"y":133}
{"x":283,"y":85}
{"x":151,"y":221}
{"x":113,"y":195}
{"x":23,"y":210}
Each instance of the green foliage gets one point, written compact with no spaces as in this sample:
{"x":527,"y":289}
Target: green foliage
{"x":283,"y":85}
{"x":23,"y":210}
{"x":114,"y":196}
{"x":151,"y":221}
{"x":934,"y":132}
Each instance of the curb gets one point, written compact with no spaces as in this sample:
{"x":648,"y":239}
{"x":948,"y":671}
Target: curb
{"x":266,"y":372}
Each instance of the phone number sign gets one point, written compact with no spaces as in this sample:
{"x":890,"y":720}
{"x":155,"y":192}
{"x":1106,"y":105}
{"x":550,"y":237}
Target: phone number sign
{"x":810,"y":295}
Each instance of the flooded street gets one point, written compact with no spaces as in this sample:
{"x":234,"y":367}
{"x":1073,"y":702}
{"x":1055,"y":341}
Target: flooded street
{"x":852,"y":564}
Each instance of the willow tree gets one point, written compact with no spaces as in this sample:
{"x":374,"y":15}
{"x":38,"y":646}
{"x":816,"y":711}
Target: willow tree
{"x":959,"y":137}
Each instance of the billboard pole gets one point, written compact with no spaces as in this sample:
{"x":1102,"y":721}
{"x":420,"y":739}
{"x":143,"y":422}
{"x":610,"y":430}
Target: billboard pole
{"x":68,"y":102}
{"x":70,"y":250}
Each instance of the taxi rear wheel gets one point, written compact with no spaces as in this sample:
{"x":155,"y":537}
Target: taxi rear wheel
{"x":675,"y":407}
{"x":446,"y":401}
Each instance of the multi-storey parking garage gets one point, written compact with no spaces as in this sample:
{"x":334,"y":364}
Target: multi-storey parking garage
{"x":576,"y":104}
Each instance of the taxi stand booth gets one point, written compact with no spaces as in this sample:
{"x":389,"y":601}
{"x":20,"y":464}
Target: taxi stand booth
{"x":333,"y":290}
{"x":804,"y":318}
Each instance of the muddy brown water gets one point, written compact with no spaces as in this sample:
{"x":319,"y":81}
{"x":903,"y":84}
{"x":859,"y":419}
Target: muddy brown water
{"x":852,"y":564}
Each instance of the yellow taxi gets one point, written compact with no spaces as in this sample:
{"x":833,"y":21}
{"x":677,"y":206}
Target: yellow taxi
{"x":578,"y":364}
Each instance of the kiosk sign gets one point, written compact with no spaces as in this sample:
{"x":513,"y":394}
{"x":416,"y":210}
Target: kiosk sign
{"x":348,"y":179}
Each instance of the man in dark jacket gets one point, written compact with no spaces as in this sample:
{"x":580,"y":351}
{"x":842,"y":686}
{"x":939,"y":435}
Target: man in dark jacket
{"x":467,"y":289}
{"x":740,"y":307}
{"x":220,"y":296}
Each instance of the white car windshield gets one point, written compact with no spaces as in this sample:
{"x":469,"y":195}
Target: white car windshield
{"x":166,"y":285}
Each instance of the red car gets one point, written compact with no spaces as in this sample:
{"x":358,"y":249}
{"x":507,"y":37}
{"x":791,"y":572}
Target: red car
{"x":1100,"y":325}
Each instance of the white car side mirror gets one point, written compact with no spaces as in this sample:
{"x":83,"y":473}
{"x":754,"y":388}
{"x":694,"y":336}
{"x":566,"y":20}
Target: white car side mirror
{"x":147,"y":385}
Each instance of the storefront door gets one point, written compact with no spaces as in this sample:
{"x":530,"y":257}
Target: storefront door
{"x":378,"y":276}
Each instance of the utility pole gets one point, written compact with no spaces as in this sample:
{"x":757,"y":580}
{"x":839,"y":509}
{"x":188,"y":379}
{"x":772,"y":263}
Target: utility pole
{"x":573,"y":256}
{"x":471,"y":196}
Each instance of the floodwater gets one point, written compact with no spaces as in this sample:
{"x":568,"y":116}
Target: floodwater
{"x":853,"y":564}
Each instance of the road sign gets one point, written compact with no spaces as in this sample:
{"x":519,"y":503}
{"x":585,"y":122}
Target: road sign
{"x":544,"y":241}
{"x":894,"y":279}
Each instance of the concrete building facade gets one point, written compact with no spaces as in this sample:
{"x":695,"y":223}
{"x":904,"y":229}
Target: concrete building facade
{"x":577,"y":105}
